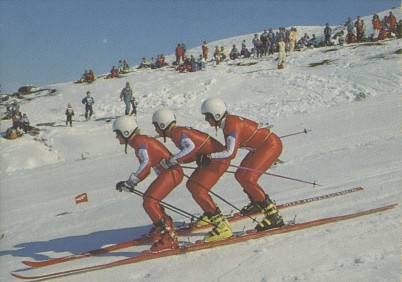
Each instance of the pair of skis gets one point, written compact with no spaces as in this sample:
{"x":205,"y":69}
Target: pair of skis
{"x":199,"y":245}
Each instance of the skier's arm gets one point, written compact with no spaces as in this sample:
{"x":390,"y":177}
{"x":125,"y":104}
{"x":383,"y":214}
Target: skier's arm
{"x":230,"y":148}
{"x":188,"y":147}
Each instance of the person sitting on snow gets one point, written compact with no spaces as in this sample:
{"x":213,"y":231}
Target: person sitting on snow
{"x":16,"y":119}
{"x":160,"y":61}
{"x":144,"y":64}
{"x":244,"y":50}
{"x":123,"y":66}
{"x":186,"y":66}
{"x":201,"y":62}
{"x":399,"y":29}
{"x":114,"y":72}
{"x":24,"y":123}
{"x":90,"y":76}
{"x":234,"y":53}
{"x":217,"y":55}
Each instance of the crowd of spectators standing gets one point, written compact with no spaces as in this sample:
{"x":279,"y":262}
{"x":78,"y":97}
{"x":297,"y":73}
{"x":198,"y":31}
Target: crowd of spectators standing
{"x":267,"y":43}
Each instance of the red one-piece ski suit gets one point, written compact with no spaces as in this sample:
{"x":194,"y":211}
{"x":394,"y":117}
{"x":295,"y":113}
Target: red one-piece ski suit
{"x":150,"y":152}
{"x":264,"y":149}
{"x":192,"y":142}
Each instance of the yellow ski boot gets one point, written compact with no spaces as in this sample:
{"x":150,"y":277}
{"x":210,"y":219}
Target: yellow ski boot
{"x":203,"y":220}
{"x":221,"y":230}
{"x":272,"y":217}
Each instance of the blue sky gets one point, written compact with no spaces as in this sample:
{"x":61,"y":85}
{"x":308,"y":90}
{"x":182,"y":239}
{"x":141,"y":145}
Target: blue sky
{"x":45,"y":41}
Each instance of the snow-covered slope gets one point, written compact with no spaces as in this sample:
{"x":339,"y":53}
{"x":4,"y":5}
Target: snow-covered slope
{"x":353,"y":142}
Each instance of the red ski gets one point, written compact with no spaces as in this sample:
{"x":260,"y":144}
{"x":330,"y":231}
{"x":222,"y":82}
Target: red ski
{"x":251,"y":234}
{"x":180,"y":231}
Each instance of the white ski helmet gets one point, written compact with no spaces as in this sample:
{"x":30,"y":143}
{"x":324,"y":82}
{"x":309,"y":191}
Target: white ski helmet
{"x":163,"y":118}
{"x":214,"y":106}
{"x":126,"y":125}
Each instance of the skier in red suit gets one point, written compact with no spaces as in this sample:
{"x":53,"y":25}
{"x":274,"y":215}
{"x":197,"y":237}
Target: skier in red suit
{"x":264,"y":149}
{"x":192,"y":144}
{"x":150,"y":152}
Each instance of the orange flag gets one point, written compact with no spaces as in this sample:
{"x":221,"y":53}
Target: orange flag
{"x":82,"y":198}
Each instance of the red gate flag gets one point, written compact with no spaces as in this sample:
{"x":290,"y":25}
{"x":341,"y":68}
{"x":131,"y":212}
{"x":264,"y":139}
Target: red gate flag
{"x":82,"y":198}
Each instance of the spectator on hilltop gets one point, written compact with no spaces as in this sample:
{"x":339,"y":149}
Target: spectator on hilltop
{"x":384,"y":22}
{"x":123,"y":66}
{"x":304,"y":41}
{"x":186,"y":66}
{"x":134,"y":105}
{"x":114,"y":72}
{"x":350,"y":38}
{"x":383,"y":34}
{"x":359,"y":25}
{"x":223,"y":53}
{"x":271,"y":42}
{"x":201,"y":62}
{"x":16,"y":120}
{"x":316,"y":42}
{"x":125,"y":96}
{"x":349,"y":25}
{"x":245,"y":53}
{"x":144,"y":64}
{"x":179,"y":52}
{"x":234,"y":53}
{"x":194,"y":64}
{"x":341,"y":38}
{"x":376,"y":26}
{"x":88,"y":76}
{"x":293,"y":39}
{"x":160,"y":61}
{"x":184,"y":50}
{"x":265,"y":42}
{"x":69,"y":114}
{"x":327,"y":35}
{"x":281,"y":33}
{"x":257,"y":43}
{"x":392,"y":23}
{"x":281,"y":53}
{"x":399,"y":29}
{"x":217,"y":55}
{"x":205,"y":50}
{"x":88,"y":101}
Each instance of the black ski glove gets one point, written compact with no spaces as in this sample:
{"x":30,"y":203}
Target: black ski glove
{"x":203,"y":160}
{"x":123,"y":186}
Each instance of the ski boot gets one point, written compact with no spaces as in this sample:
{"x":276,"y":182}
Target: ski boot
{"x":251,"y":208}
{"x":205,"y":219}
{"x":168,"y":240}
{"x":272,"y":217}
{"x":221,"y":230}
{"x":155,"y":233}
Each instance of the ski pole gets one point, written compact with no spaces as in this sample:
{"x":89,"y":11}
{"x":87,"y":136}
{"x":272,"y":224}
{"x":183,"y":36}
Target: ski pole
{"x":171,"y":207}
{"x":304,"y":131}
{"x":216,"y":195}
{"x":166,"y":205}
{"x":276,"y":175}
{"x":264,"y":172}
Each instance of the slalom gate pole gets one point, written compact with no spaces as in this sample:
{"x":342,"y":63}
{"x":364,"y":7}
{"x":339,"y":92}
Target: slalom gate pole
{"x":304,"y":131}
{"x":276,"y":175}
{"x":167,"y":206}
{"x":216,"y":195}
